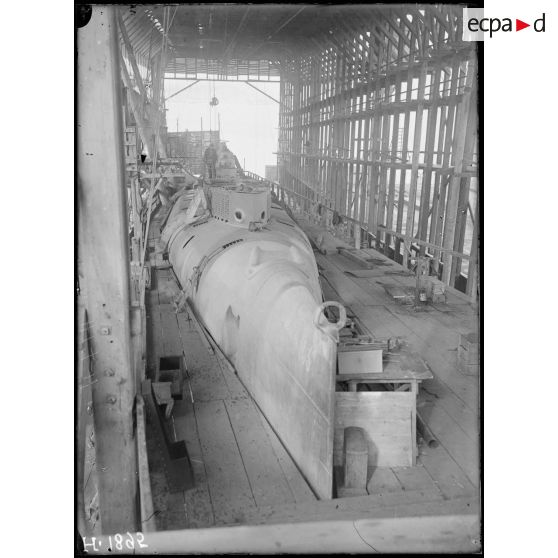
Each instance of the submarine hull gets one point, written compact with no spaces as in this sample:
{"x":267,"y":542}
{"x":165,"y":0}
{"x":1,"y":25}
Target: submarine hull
{"x":257,"y":292}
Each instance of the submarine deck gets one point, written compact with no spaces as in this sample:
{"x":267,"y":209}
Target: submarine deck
{"x":242,"y":473}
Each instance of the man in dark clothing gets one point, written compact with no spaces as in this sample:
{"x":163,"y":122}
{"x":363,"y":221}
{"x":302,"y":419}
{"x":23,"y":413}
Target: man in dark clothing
{"x":210,"y":159}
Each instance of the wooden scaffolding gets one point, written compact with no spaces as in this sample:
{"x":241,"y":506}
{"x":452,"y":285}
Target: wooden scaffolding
{"x":378,"y":129}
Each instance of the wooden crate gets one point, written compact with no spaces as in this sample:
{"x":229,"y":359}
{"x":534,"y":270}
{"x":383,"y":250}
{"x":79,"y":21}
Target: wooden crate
{"x":359,"y":359}
{"x":387,"y":420}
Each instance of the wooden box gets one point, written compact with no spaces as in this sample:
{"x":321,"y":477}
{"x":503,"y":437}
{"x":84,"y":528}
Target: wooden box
{"x":387,"y":420}
{"x":172,"y":369}
{"x":355,"y":359}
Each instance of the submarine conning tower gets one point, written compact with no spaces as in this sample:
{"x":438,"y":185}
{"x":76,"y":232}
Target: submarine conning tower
{"x":241,"y":205}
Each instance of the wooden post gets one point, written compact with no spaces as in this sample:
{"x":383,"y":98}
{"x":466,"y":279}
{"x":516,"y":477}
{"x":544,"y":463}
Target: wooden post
{"x":394,"y":150}
{"x":446,"y":159}
{"x":414,"y":391}
{"x":103,"y":249}
{"x":472,"y":277}
{"x":132,"y":58}
{"x":461,"y":225}
{"x":429,"y":157}
{"x":459,"y":148}
{"x":411,"y":208}
{"x":375,"y":167}
{"x":366,"y":139}
{"x":143,"y":126}
{"x":404,"y":150}
{"x":83,"y":419}
{"x":345,"y":125}
{"x":444,"y":109}
{"x":382,"y":167}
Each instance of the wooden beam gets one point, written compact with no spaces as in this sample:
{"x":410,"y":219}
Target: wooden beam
{"x":413,"y":240}
{"x":446,"y":160}
{"x":181,"y":90}
{"x":439,"y":156}
{"x":458,"y":151}
{"x":147,"y":513}
{"x":427,"y":31}
{"x":346,"y":138}
{"x":393,"y":171}
{"x":142,"y":124}
{"x":83,"y":381}
{"x":131,"y":57}
{"x":263,"y":92}
{"x":103,"y":249}
{"x":415,"y":160}
{"x":345,"y":525}
{"x":441,"y":18}
{"x":232,"y":43}
{"x":284,"y":23}
{"x":404,"y":150}
{"x":375,"y":169}
{"x":399,"y":32}
{"x":463,"y":204}
{"x":365,"y":195}
{"x":387,"y":35}
{"x":428,"y":157}
{"x":382,"y":185}
{"x":473,"y":273}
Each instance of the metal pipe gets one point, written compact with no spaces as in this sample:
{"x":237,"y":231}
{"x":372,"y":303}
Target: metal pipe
{"x":426,"y":433}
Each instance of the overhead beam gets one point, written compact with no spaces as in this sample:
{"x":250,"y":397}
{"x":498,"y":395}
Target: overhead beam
{"x":263,"y":92}
{"x":103,"y":249}
{"x":181,"y":90}
{"x":131,"y":57}
{"x":275,"y":31}
{"x":229,"y":48}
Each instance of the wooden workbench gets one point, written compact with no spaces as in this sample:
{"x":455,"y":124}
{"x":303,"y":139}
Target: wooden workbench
{"x":449,"y":402}
{"x":388,"y":417}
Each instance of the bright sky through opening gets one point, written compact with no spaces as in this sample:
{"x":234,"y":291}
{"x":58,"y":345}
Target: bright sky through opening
{"x":249,"y":120}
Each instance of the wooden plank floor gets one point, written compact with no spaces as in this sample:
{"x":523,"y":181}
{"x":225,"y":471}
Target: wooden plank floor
{"x":243,"y":474}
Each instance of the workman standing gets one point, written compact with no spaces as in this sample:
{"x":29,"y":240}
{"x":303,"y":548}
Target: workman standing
{"x":210,"y":159}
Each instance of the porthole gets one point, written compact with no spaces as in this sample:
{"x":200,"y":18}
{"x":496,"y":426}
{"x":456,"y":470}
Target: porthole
{"x":239,"y":216}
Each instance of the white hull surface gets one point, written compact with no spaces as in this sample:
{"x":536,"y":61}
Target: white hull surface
{"x":258,"y":294}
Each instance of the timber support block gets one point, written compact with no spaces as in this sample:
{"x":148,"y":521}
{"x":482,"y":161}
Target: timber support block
{"x":355,"y":452}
